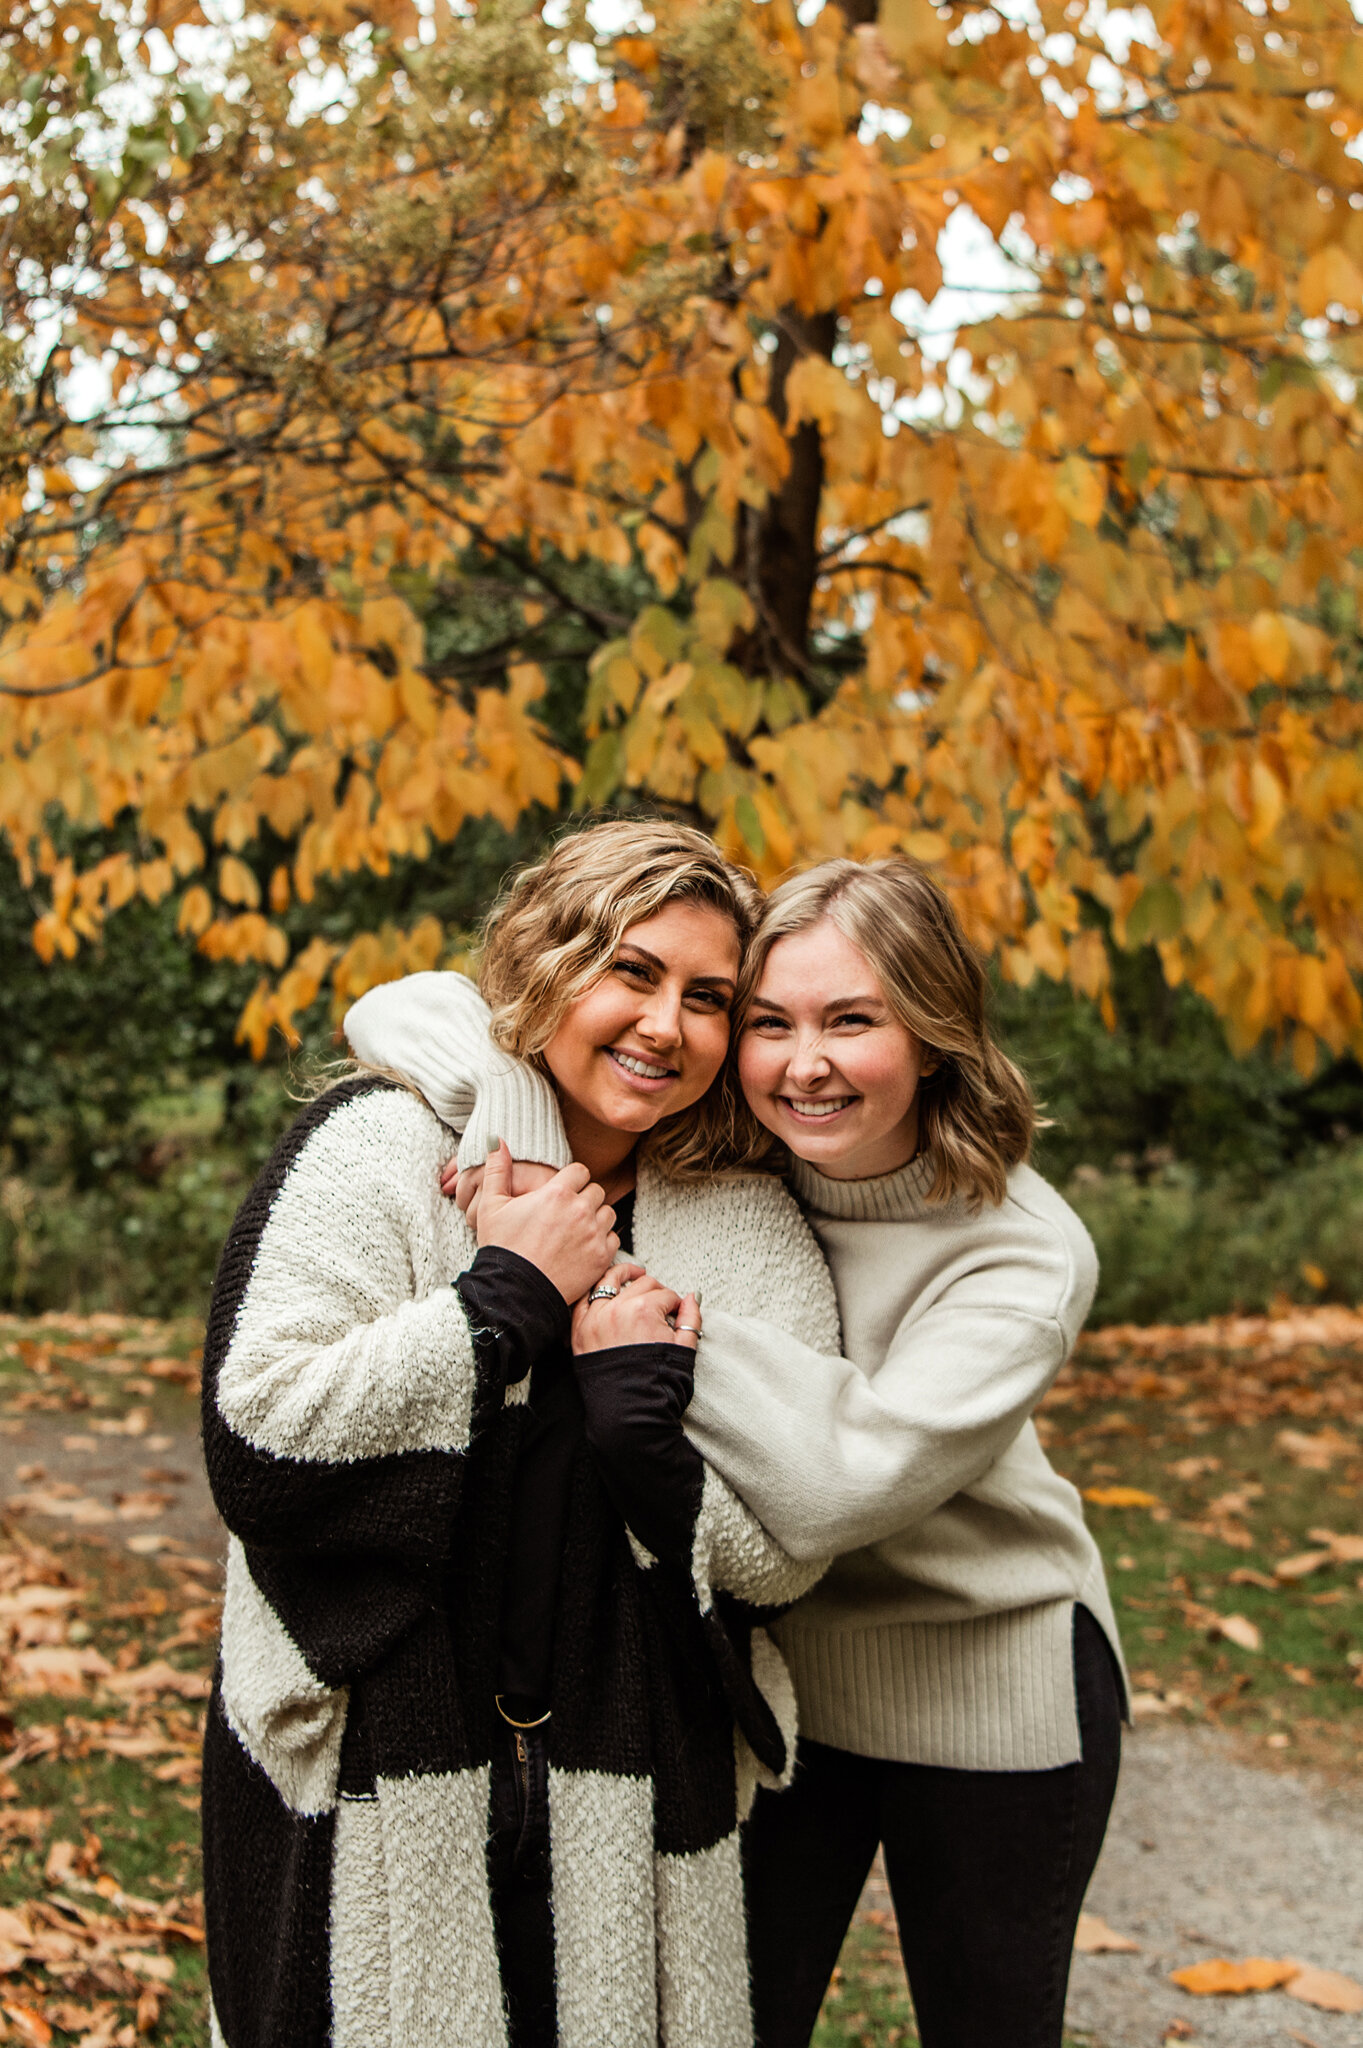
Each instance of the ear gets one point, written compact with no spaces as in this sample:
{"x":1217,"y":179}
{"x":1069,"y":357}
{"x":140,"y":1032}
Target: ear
{"x":932,"y":1062}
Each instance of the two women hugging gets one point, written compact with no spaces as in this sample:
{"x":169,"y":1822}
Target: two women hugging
{"x":635,"y":1354}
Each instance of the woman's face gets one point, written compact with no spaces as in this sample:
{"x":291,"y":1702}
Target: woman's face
{"x":824,"y":1061}
{"x":648,"y":1038}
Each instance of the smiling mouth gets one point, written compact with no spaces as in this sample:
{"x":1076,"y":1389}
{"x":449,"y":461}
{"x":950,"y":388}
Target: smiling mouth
{"x":640,"y":1069}
{"x":816,"y":1109}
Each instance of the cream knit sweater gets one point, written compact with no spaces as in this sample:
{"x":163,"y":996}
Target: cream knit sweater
{"x":942,"y":1635}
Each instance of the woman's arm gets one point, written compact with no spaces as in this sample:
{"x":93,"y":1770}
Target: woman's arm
{"x":433,"y":1028}
{"x":832,"y":1458}
{"x":634,"y":1396}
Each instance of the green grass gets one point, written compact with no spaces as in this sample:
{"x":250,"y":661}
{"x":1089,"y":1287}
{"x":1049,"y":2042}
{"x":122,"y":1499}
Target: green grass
{"x":1204,"y":1434}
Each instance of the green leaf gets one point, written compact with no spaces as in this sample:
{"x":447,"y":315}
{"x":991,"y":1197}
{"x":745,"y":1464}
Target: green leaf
{"x":750,"y":825}
{"x":1156,"y":914}
{"x":604,"y":771}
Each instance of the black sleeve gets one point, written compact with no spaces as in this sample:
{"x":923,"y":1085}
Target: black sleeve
{"x":634,"y":1397}
{"x":517,"y":1318}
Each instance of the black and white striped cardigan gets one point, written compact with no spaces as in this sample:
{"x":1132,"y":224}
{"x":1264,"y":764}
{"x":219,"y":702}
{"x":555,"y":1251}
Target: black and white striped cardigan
{"x":362,"y":1465}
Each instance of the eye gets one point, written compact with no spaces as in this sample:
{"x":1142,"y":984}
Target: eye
{"x":634,"y":967}
{"x":856,"y":1018}
{"x":766,"y":1023}
{"x":708,"y":998}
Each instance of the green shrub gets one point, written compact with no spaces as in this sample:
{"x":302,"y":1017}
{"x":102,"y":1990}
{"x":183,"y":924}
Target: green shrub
{"x":1173,"y":1249}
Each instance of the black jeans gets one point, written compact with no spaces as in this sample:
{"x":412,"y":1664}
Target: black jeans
{"x":518,"y":1872}
{"x":988,"y":1870}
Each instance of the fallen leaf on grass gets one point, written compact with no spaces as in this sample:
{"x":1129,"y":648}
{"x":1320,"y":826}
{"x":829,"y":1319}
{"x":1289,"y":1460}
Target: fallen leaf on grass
{"x":1188,"y":1469}
{"x":1235,"y":1628}
{"x":159,"y":1676}
{"x":1240,"y":1630}
{"x":1300,"y":1674}
{"x":56,"y":1669}
{"x":1244,"y":1575}
{"x":161,"y":1968}
{"x":1327,"y":1990}
{"x":1120,"y":1497}
{"x":1313,"y":1453}
{"x":1343,"y":1549}
{"x":1221,"y":1978}
{"x":1093,"y":1937}
{"x":1289,"y":1569}
{"x":31,"y":2025}
{"x":37,"y":1600}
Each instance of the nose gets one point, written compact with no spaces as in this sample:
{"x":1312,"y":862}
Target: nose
{"x":809,"y":1063}
{"x":660,"y":1021}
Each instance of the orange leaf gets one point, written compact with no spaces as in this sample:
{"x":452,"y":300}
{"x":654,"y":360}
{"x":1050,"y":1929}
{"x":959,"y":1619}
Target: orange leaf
{"x":32,"y":2026}
{"x":1219,"y":1978}
{"x":1093,"y":1937}
{"x":1327,"y":1990}
{"x":1120,"y":1497}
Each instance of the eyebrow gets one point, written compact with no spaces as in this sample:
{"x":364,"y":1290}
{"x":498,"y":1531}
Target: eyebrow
{"x":863,"y":1002}
{"x":708,"y":980}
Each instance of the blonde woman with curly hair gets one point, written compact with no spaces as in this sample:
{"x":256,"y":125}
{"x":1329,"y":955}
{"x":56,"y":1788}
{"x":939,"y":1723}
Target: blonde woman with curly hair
{"x":495,"y":1691}
{"x":958,"y":1670}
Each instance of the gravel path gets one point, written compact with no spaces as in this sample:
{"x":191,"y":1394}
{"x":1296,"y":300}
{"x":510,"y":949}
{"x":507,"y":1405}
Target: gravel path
{"x":1207,"y":1856}
{"x":146,"y":1489}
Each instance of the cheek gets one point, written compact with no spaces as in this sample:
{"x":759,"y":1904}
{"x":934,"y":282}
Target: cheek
{"x":759,"y":1062}
{"x":708,"y":1042}
{"x":885,"y":1076}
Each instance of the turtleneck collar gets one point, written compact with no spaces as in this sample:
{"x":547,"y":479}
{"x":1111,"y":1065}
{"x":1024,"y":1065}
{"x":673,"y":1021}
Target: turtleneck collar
{"x":897,"y":1197}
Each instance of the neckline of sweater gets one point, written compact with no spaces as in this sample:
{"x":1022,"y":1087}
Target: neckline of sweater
{"x":898,"y":1197}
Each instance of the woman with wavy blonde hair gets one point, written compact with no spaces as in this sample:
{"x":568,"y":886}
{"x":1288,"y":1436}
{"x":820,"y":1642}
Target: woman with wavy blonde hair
{"x":495,"y":1691}
{"x":958,"y":1670}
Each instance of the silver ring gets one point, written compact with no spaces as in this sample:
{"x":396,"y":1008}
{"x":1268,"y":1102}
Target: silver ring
{"x":603,"y":1294}
{"x":690,"y":1329}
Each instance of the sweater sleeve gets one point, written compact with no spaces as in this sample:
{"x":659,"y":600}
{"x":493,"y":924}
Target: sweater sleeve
{"x":633,"y":1399}
{"x":830,"y":1458}
{"x":346,"y":1375}
{"x":433,"y":1030}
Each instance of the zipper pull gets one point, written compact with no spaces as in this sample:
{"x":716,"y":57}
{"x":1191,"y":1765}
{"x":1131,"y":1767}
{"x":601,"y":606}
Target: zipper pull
{"x":521,"y":1757}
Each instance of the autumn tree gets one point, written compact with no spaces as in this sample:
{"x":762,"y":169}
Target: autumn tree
{"x":319,"y":325}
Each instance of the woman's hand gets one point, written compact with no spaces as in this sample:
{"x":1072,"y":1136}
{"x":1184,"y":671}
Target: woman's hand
{"x":465,"y":1187}
{"x":564,"y":1228}
{"x":643,"y":1312}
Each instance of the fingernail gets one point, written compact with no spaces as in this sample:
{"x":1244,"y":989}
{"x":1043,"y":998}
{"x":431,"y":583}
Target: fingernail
{"x":697,"y":1297}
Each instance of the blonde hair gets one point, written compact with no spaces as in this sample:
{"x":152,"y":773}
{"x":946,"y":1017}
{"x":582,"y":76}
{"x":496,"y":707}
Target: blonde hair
{"x":558,"y":925}
{"x":976,"y":1112}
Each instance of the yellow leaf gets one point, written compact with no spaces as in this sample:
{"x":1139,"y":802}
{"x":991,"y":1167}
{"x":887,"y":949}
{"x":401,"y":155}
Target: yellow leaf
{"x":1120,"y":1497}
{"x":1081,"y":490}
{"x":236,"y":883}
{"x":1268,"y":637}
{"x":1329,"y":278}
{"x":196,"y":911}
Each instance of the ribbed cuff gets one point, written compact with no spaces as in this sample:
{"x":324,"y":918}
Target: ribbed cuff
{"x":517,"y":1104}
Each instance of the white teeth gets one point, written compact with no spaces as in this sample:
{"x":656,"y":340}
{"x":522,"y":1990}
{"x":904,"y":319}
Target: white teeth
{"x":633,"y":1066}
{"x":822,"y":1108}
